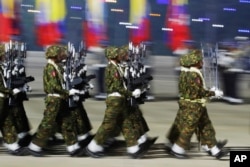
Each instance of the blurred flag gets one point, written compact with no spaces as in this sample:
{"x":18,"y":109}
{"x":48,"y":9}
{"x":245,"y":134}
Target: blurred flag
{"x":8,"y":24}
{"x":94,"y":23}
{"x":139,"y":13}
{"x":177,"y":23}
{"x":49,"y":21}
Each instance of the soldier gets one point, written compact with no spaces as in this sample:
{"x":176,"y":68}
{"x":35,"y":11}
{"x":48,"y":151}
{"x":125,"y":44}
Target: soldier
{"x":174,"y":131}
{"x":116,"y":114}
{"x":136,"y":114}
{"x":22,"y":123}
{"x":7,"y":126}
{"x":193,"y":94}
{"x":80,"y":117}
{"x":56,"y":113}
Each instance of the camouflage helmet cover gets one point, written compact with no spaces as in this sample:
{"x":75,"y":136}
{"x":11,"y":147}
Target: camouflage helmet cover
{"x":192,"y":58}
{"x":111,"y":52}
{"x":123,"y":50}
{"x":53,"y":51}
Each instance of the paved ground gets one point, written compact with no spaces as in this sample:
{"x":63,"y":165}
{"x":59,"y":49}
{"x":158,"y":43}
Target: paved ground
{"x":231,"y":122}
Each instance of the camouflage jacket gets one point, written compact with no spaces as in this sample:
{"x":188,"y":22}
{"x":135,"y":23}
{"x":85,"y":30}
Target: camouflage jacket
{"x":53,"y":81}
{"x":191,"y":86}
{"x":114,"y":81}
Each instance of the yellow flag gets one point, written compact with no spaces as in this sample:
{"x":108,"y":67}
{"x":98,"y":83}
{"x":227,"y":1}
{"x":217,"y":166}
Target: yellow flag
{"x":137,"y":11}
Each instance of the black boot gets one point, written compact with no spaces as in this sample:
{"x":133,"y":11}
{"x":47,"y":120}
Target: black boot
{"x":25,"y":141}
{"x":221,"y":154}
{"x":220,"y":145}
{"x":143,"y":149}
{"x":78,"y":152}
{"x":36,"y":153}
{"x":85,"y":142}
{"x":98,"y":154}
{"x":19,"y":152}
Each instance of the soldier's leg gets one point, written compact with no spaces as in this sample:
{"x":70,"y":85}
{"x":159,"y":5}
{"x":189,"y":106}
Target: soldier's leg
{"x":83,"y":125}
{"x":113,"y":113}
{"x":190,"y":118}
{"x":9,"y":131}
{"x":135,"y":148}
{"x":47,"y":126}
{"x":69,"y":133}
{"x":21,"y":123}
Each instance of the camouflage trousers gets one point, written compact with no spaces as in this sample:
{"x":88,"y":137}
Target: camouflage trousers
{"x":56,"y":116}
{"x":80,"y":119}
{"x":139,"y":122}
{"x":193,"y":116}
{"x":20,"y":117}
{"x":116,"y":117}
{"x":7,"y":126}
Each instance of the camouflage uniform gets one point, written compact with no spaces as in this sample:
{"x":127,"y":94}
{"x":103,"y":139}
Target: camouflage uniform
{"x":174,"y":131}
{"x":56,"y":113}
{"x":192,"y":110}
{"x":81,"y":119}
{"x":135,"y":113}
{"x":7,"y":126}
{"x":21,"y":121}
{"x":116,"y":114}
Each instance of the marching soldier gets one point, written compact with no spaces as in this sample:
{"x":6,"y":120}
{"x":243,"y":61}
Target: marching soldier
{"x":79,"y":114}
{"x":174,"y":131}
{"x":21,"y":121}
{"x":7,"y":126}
{"x":116,"y":114}
{"x":193,"y":94}
{"x":56,"y":113}
{"x":136,"y":114}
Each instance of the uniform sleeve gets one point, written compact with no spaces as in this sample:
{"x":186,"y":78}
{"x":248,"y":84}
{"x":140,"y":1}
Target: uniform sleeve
{"x":52,"y":81}
{"x":197,"y":87}
{"x":114,"y":82}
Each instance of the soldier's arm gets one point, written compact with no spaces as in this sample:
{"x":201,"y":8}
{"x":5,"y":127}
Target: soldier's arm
{"x":114,"y":82}
{"x":199,"y":88}
{"x":52,"y":82}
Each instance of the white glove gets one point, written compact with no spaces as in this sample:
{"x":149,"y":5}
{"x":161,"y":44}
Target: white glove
{"x":213,"y":88}
{"x":73,"y":91}
{"x":26,"y":88}
{"x":218,"y":93}
{"x":21,"y":70}
{"x":76,"y":98}
{"x":91,"y":86}
{"x":136,"y":93}
{"x":82,"y":92}
{"x":16,"y":91}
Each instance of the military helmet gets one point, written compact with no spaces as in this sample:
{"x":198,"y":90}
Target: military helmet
{"x":53,"y":51}
{"x":123,"y":50}
{"x":2,"y":49}
{"x":111,"y":52}
{"x":193,"y":57}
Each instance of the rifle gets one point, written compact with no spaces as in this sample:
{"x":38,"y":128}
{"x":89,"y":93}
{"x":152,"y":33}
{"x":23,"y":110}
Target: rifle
{"x":9,"y":50}
{"x":18,"y":82}
{"x":137,"y":76}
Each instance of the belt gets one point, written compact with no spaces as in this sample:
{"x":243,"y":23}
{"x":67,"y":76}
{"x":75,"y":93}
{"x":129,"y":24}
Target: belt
{"x":202,"y":101}
{"x":114,"y":94}
{"x":54,"y":94}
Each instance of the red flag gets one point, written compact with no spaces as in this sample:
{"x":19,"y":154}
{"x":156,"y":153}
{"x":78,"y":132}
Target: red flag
{"x":177,"y":21}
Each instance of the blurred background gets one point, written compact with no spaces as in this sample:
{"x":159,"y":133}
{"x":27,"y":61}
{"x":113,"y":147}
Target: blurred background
{"x":114,"y":21}
{"x":167,"y":27}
